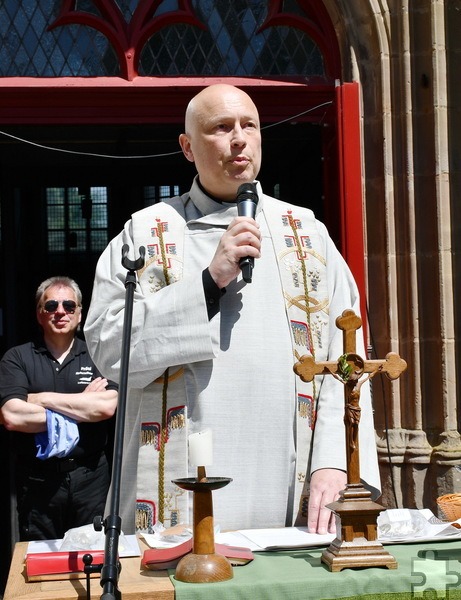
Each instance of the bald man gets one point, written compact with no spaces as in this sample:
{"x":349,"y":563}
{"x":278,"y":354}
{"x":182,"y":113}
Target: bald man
{"x":211,"y":351}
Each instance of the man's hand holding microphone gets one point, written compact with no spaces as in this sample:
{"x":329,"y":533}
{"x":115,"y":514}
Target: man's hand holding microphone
{"x":240,"y":243}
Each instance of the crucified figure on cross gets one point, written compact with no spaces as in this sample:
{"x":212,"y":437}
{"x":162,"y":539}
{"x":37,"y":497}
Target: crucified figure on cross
{"x":352,"y":371}
{"x":352,"y":410}
{"x":350,"y":374}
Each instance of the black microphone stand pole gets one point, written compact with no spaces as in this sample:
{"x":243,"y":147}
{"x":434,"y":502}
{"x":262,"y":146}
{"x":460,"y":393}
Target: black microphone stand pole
{"x":112,"y":524}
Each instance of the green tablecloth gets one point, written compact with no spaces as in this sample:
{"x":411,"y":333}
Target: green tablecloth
{"x":429,"y":571}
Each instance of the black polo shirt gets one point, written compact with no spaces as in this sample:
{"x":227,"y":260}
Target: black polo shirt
{"x":30,"y":368}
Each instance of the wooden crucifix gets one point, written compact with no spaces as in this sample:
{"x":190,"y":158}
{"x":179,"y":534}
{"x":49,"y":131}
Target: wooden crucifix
{"x":356,"y":543}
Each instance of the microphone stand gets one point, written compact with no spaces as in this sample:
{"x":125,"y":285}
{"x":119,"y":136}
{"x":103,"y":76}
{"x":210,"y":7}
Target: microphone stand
{"x":110,"y":570}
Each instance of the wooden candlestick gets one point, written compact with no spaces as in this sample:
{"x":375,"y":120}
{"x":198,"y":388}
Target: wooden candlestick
{"x":203,"y":564}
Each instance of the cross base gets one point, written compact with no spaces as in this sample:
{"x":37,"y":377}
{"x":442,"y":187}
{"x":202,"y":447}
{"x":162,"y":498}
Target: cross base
{"x":359,"y":553}
{"x":356,"y":543}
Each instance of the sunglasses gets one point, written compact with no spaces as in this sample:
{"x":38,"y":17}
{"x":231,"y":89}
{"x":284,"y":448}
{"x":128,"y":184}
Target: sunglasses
{"x":51,"y":306}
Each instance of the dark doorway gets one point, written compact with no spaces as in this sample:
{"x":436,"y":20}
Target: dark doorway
{"x":76,"y":164}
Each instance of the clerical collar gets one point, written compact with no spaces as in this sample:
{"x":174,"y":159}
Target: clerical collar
{"x":213,"y":209}
{"x":202,"y":189}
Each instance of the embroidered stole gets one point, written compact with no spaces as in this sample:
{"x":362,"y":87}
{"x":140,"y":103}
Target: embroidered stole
{"x":302,"y":271}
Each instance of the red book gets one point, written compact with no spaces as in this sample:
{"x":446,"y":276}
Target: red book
{"x":156,"y":559}
{"x":59,"y":565}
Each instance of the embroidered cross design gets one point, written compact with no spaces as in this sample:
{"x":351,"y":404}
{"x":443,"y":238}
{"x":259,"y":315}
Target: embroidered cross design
{"x":304,"y":242}
{"x":161,"y":228}
{"x":153,"y":251}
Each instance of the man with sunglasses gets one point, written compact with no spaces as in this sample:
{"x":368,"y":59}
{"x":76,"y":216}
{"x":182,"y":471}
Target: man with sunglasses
{"x":59,"y":409}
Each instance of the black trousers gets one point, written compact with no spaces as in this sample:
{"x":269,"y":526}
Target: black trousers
{"x":50,"y":501}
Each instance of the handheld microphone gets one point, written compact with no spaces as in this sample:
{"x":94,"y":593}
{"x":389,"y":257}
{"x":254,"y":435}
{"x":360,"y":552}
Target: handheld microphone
{"x":247,"y":199}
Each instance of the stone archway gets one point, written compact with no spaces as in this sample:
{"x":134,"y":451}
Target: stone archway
{"x":398,"y":54}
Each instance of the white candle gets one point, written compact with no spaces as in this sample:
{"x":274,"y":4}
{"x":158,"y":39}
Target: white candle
{"x":201,"y":448}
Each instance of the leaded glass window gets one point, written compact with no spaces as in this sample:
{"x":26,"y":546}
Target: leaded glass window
{"x":76,"y":222}
{"x":157,"y":193}
{"x":28,"y":49}
{"x":229,"y":45}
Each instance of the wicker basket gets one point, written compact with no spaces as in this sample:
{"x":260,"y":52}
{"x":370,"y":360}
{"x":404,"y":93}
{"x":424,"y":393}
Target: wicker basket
{"x":450,"y":505}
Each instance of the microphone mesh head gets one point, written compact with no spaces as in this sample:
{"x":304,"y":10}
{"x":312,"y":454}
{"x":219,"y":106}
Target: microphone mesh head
{"x":247,"y":191}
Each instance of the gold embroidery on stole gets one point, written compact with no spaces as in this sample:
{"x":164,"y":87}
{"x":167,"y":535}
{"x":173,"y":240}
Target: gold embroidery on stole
{"x":154,"y":436}
{"x":306,"y":303}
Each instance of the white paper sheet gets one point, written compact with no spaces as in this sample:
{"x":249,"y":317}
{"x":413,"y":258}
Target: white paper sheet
{"x":298,"y":537}
{"x":275,"y":539}
{"x":128,"y":546}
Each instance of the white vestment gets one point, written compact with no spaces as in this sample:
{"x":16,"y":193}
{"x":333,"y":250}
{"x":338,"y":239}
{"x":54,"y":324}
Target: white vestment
{"x":233,"y":373}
